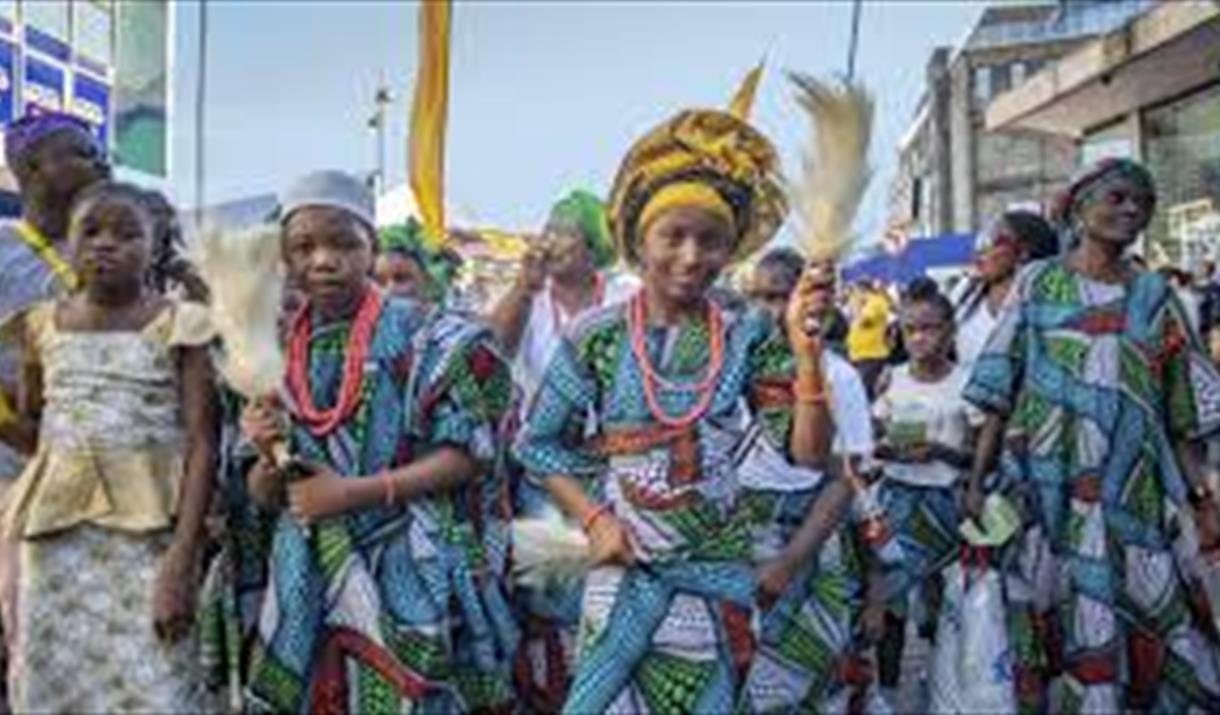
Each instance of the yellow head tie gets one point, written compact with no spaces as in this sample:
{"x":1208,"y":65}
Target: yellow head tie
{"x":686,"y":193}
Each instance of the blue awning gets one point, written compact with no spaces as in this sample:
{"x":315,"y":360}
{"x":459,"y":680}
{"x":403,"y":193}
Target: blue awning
{"x":951,"y":250}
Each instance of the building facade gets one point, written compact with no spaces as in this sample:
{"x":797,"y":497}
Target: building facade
{"x":108,"y":61}
{"x":955,"y":174}
{"x":1149,"y":89}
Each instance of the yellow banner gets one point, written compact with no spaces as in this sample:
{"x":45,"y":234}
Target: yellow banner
{"x":429,"y":112}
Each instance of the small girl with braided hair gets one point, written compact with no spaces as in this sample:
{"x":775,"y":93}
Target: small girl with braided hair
{"x":110,"y":509}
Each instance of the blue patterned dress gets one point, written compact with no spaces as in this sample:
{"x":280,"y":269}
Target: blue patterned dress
{"x":1097,"y":381}
{"x":390,"y":608}
{"x":673,"y":633}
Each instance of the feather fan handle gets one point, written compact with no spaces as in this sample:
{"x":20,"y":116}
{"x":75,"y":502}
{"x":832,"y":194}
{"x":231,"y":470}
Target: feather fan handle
{"x":547,"y":549}
{"x":835,"y":170}
{"x":243,"y":270}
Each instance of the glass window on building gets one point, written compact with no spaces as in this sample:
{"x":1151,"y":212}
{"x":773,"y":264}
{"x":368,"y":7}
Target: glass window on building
{"x":50,"y":18}
{"x":1018,"y":73}
{"x":93,"y":27}
{"x":1111,"y":141}
{"x":1001,"y":78}
{"x":8,"y":11}
{"x":141,"y":87}
{"x":1182,"y":149}
{"x":982,"y":84}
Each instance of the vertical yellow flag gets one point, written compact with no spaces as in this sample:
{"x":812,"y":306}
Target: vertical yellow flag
{"x":429,"y":112}
{"x":743,"y":100}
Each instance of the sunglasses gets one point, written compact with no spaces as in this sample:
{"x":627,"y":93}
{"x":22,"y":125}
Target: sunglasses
{"x":995,"y":240}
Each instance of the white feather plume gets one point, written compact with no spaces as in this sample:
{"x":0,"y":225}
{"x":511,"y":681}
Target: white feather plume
{"x":547,"y":549}
{"x":835,"y":164}
{"x":242,"y":269}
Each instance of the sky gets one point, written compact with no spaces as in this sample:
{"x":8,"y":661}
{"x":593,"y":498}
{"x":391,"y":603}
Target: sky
{"x":545,"y":96}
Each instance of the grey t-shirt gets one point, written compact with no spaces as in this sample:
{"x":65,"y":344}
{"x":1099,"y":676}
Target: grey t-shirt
{"x":24,"y":281}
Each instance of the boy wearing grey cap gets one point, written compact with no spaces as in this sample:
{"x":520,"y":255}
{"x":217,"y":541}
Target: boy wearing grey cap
{"x":392,"y":545}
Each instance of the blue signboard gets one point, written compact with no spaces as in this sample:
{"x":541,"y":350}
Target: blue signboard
{"x":91,"y":102}
{"x":8,"y":104}
{"x":44,"y":86}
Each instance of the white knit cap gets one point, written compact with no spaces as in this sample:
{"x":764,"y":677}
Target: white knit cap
{"x":334,"y":189}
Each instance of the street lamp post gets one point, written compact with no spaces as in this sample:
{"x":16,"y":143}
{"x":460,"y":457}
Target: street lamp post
{"x":854,"y":41}
{"x":377,"y":123}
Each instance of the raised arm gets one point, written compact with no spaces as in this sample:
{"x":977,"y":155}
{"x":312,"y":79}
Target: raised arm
{"x":511,"y":314}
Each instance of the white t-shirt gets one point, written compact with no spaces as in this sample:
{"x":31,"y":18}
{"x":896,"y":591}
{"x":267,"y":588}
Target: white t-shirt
{"x":914,"y":411}
{"x":972,"y":334}
{"x":848,"y":406}
{"x":541,"y":335}
{"x":765,"y":469}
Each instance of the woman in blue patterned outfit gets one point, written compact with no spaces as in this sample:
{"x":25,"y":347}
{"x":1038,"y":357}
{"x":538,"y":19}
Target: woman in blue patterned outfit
{"x":642,"y":416}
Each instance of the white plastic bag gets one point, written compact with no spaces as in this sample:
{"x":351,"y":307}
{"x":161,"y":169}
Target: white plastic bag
{"x":972,"y":666}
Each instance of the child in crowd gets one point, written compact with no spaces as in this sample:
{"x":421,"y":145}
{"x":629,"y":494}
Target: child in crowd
{"x":117,"y":385}
{"x":1015,"y":239}
{"x":384,"y":581}
{"x":925,"y":434}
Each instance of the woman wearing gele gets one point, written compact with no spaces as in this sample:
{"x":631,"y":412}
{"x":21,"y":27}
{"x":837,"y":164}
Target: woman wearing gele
{"x":640,"y":414}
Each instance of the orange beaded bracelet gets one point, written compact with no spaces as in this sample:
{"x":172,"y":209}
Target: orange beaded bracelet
{"x":594,"y":514}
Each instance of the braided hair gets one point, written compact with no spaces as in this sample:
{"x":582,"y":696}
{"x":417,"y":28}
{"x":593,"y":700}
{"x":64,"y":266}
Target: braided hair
{"x":169,"y":246}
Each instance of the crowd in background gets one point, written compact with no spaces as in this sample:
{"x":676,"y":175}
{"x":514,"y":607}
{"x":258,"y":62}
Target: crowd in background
{"x":772,"y":487}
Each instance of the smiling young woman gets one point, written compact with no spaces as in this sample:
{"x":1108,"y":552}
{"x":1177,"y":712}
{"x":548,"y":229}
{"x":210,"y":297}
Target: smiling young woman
{"x":641,"y":410}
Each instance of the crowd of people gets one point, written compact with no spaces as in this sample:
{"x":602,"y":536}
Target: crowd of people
{"x":772,"y":483}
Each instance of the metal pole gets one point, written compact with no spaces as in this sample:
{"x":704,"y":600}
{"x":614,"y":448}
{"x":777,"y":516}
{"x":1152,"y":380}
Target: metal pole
{"x":854,"y":41}
{"x":383,"y":99}
{"x":201,"y":85}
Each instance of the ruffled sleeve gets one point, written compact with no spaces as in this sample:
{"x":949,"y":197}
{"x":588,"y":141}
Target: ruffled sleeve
{"x":23,"y":332}
{"x":190,"y":325}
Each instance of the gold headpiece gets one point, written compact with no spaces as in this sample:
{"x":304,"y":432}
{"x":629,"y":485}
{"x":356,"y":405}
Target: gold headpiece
{"x":707,"y":147}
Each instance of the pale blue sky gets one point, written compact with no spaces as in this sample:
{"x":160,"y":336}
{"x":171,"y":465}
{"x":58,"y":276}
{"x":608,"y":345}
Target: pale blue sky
{"x":545,"y":96}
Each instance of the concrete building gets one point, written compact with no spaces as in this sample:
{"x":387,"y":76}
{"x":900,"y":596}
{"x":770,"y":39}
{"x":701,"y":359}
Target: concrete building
{"x":1148,"y":89}
{"x":954,"y":173}
{"x":106,"y":60}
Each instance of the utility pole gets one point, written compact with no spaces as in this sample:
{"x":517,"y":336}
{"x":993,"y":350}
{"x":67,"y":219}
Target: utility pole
{"x":377,"y":123}
{"x":854,"y":41}
{"x":201,"y":94}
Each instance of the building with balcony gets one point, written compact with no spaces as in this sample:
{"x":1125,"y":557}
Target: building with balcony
{"x":955,"y":173}
{"x":1149,"y":89}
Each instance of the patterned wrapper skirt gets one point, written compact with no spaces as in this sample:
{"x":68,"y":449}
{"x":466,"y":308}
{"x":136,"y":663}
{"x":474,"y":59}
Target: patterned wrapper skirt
{"x":85,"y":641}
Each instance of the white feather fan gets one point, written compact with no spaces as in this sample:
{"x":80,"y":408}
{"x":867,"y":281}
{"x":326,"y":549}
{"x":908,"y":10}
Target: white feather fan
{"x":242,"y":269}
{"x":835,"y":164}
{"x":547,"y":549}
